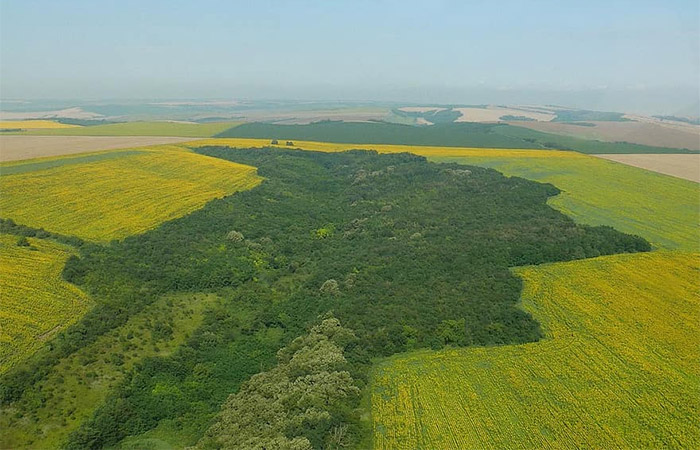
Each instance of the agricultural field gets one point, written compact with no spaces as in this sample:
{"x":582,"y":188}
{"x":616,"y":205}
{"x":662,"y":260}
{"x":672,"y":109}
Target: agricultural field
{"x":80,"y":383}
{"x":681,"y":166}
{"x":16,"y":148}
{"x":653,"y":133}
{"x":130,"y":192}
{"x":153,"y":128}
{"x":657,"y":207}
{"x":617,"y":368}
{"x":36,"y":302}
{"x":481,"y":135}
{"x":34,"y":125}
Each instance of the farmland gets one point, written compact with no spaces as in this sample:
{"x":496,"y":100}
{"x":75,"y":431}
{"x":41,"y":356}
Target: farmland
{"x":16,"y":148}
{"x":130,"y":191}
{"x":34,"y":125}
{"x":175,"y":129}
{"x":482,"y":135}
{"x":681,"y":166}
{"x":36,"y":302}
{"x":654,"y":133}
{"x":617,"y":368}
{"x":367,"y":236}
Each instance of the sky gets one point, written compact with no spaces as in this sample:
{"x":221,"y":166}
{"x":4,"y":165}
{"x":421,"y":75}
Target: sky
{"x":463,"y":51}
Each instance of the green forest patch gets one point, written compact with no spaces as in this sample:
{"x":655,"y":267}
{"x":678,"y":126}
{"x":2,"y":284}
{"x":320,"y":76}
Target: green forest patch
{"x":408,"y":254}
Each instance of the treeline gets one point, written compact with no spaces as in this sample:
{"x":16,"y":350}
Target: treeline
{"x":458,"y":134}
{"x":407,"y":253}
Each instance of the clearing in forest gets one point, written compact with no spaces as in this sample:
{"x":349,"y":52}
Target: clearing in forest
{"x":80,"y":383}
{"x":111,"y":195}
{"x":36,"y":301}
{"x":617,"y":369}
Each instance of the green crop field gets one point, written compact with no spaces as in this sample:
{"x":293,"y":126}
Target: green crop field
{"x":182,"y":129}
{"x":36,"y":302}
{"x":483,"y":135}
{"x":617,"y":369}
{"x":129,"y":191}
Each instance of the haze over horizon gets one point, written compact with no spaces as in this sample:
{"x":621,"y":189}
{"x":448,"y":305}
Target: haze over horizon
{"x":629,"y":56}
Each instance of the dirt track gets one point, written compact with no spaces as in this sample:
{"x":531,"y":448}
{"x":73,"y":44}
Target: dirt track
{"x":15,"y":148}
{"x":681,"y":166}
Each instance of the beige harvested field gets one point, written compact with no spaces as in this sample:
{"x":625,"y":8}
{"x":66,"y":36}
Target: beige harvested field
{"x":494,"y":114}
{"x":15,"y":148}
{"x":645,"y":133}
{"x":420,"y":109}
{"x":680,"y":166}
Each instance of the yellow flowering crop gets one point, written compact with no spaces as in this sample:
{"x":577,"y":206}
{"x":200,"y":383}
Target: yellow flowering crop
{"x":618,"y":367}
{"x":112,"y":198}
{"x":34,"y":124}
{"x":36,"y":301}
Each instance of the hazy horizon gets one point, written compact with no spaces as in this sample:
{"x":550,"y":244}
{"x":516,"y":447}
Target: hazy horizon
{"x":627,"y":56}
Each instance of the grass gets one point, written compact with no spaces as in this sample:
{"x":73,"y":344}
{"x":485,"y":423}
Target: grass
{"x":81,"y":382}
{"x":618,"y":368}
{"x":182,"y":129}
{"x":127,"y":195}
{"x":36,"y":302}
{"x":660,"y":208}
{"x":34,"y":125}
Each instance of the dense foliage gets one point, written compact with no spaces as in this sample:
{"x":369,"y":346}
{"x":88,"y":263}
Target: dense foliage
{"x":301,"y":403}
{"x":458,"y":134}
{"x":406,"y":253}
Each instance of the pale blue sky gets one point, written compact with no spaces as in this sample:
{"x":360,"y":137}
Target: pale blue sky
{"x":343,"y":49}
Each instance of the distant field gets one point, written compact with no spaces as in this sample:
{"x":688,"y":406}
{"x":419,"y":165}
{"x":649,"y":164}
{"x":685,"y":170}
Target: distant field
{"x":482,"y":135}
{"x":79,"y":384}
{"x":178,"y":129}
{"x":681,"y":166}
{"x":618,"y":368}
{"x":15,"y":148}
{"x":116,"y":194}
{"x":494,"y":114}
{"x":36,"y":301}
{"x":644,"y":133}
{"x":34,"y":124}
{"x":660,"y":208}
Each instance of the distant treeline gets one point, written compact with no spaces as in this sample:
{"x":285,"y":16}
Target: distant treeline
{"x":456,"y":134}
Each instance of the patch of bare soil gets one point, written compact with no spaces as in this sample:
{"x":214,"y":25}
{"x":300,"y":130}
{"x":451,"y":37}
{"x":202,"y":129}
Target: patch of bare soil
{"x":644,"y":133}
{"x":680,"y":166}
{"x":15,"y":148}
